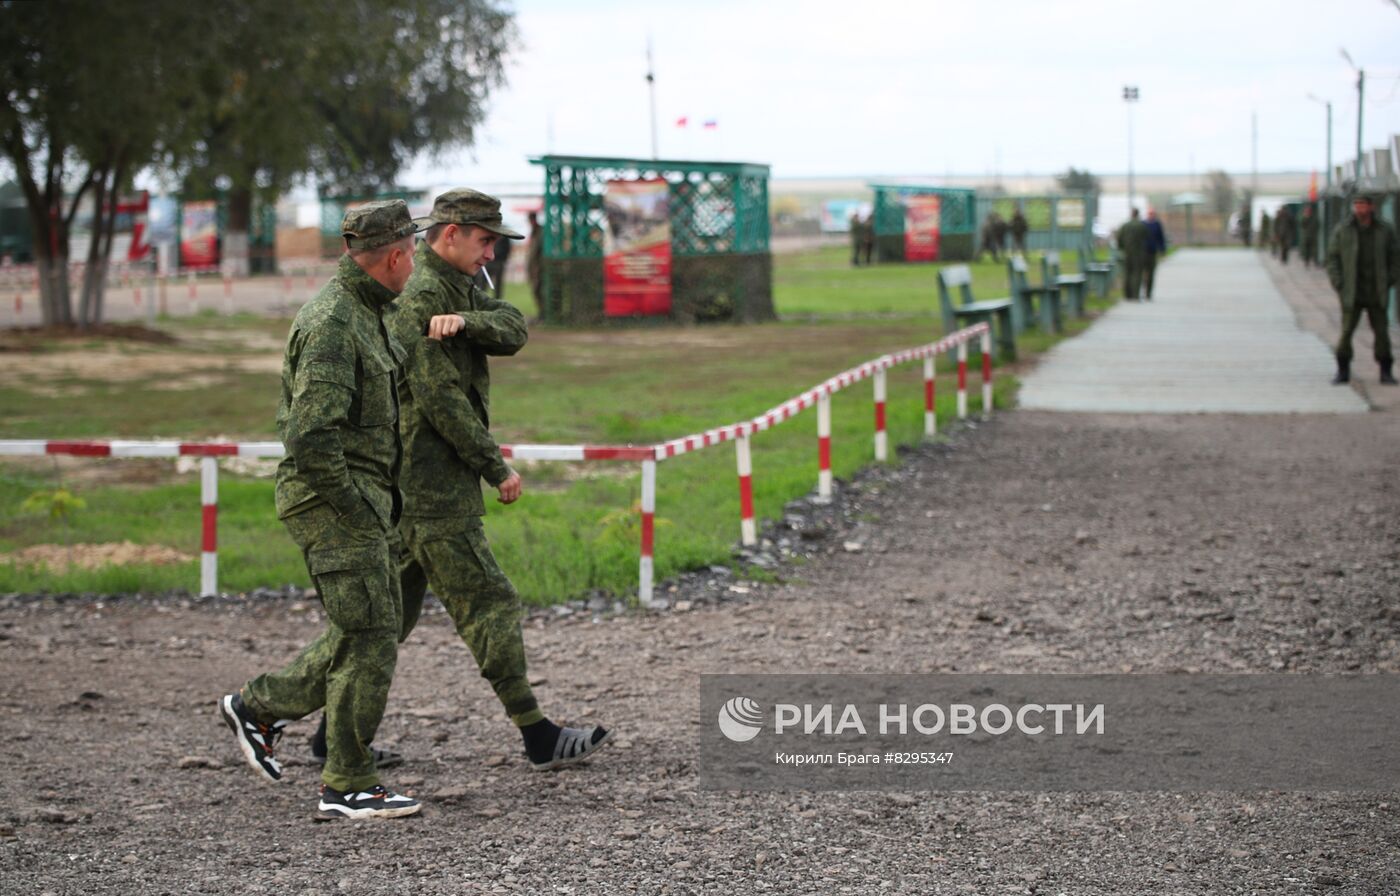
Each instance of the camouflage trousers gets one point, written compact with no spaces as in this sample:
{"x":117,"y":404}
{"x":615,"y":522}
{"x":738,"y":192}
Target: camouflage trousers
{"x":453,"y":557}
{"x":1351,"y":319}
{"x":349,"y":668}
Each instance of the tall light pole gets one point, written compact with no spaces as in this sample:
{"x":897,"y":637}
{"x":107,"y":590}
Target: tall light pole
{"x":1130,"y":96}
{"x":1360,"y":95}
{"x":1328,"y":104}
{"x":651,"y":88}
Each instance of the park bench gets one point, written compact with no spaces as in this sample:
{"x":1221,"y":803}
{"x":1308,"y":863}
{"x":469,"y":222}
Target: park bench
{"x":1071,"y":286}
{"x":1028,"y":297}
{"x":1098,"y":273}
{"x":1000,"y":314}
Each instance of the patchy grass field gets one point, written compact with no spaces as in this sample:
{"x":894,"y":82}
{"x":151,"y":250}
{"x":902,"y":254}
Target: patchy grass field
{"x":575,"y":529}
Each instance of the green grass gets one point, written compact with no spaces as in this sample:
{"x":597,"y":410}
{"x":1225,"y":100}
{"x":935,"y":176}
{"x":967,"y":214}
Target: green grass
{"x":576,"y":529}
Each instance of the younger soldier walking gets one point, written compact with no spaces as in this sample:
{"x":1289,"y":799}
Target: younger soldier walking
{"x":1363,"y":263}
{"x":1133,"y":240}
{"x":336,"y":494}
{"x":448,"y":451}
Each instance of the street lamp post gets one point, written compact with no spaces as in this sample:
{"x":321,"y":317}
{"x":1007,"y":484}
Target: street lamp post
{"x":1130,"y":96}
{"x":1360,"y":95}
{"x":1321,"y":210}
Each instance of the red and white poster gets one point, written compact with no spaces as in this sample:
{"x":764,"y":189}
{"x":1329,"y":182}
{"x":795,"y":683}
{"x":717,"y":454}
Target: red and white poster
{"x":637,"y":248}
{"x":199,"y":234}
{"x":920,"y":228}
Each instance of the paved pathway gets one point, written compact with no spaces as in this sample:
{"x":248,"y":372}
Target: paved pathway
{"x":1219,"y":337}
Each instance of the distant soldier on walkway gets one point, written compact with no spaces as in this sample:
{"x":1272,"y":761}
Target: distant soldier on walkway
{"x":1363,"y":263}
{"x":857,"y":238}
{"x":867,"y":236}
{"x":534,"y":263}
{"x":1266,"y":232}
{"x":1019,"y":228}
{"x":991,"y":236}
{"x":1308,"y":226}
{"x":1285,"y":233}
{"x":1132,"y":242}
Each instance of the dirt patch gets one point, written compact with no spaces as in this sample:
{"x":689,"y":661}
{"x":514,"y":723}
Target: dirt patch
{"x":61,"y":558}
{"x":70,"y":471}
{"x":1037,"y":543}
{"x":35,"y":339}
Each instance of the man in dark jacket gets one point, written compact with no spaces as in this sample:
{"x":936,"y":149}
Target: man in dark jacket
{"x":1019,"y":228}
{"x":1132,"y":242}
{"x":449,"y":450}
{"x":1285,"y":233}
{"x":1308,"y":227}
{"x":1156,"y":247}
{"x":1363,"y":263}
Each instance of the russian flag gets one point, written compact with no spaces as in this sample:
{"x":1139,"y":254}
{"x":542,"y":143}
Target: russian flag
{"x":682,"y":121}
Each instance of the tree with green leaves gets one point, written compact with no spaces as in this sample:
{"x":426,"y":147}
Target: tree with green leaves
{"x":90,"y":93}
{"x":248,"y":97}
{"x":347,"y":92}
{"x":1076,"y":181}
{"x":1220,"y":192}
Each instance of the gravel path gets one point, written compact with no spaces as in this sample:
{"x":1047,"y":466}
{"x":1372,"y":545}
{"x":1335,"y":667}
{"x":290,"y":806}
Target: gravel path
{"x":1037,"y":542}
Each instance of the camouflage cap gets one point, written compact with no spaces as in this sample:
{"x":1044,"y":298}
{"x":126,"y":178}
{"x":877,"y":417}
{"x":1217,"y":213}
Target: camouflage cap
{"x":1363,"y":196}
{"x":376,"y":224}
{"x":471,"y":208}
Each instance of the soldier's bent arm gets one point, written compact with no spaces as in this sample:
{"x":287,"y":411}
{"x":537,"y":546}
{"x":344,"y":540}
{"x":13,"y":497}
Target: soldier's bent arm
{"x":436,"y":388}
{"x":322,"y":393}
{"x":497,"y":327}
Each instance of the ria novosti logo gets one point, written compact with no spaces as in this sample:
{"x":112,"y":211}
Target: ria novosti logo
{"x":740,"y":719}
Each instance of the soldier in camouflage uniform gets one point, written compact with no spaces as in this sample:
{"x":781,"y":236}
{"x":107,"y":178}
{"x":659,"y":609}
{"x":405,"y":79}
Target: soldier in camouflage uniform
{"x":448,"y":450}
{"x":1363,"y":265}
{"x":1019,"y":228}
{"x":337,"y":496}
{"x":1308,"y":227}
{"x":1133,"y":239}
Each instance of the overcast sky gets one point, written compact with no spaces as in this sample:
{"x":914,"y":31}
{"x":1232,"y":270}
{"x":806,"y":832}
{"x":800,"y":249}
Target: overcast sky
{"x":883,"y":87}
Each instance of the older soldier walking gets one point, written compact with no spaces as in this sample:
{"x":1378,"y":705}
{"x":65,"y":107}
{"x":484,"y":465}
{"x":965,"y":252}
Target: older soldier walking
{"x":1133,"y":238}
{"x":448,"y":450}
{"x":336,"y":494}
{"x":1363,"y":263}
{"x":1285,"y":233}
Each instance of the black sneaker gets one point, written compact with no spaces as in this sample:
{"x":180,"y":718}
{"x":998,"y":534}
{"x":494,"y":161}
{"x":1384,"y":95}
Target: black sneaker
{"x":382,"y":758}
{"x":574,"y":745}
{"x":377,"y":802}
{"x":254,"y":739}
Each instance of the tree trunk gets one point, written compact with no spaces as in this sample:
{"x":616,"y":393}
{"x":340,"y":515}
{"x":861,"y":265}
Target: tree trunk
{"x":92,"y":271}
{"x":235,"y":242}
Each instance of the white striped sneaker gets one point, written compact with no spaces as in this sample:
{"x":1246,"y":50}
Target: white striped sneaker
{"x":376,"y":802}
{"x":574,"y":745}
{"x":256,"y":740}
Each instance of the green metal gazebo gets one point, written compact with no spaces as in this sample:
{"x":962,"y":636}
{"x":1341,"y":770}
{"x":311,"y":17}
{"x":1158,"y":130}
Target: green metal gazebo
{"x":957,"y":220}
{"x":721,"y":267}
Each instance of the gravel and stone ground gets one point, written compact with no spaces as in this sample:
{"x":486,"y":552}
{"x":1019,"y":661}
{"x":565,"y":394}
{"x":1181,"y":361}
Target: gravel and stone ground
{"x":1036,"y":542}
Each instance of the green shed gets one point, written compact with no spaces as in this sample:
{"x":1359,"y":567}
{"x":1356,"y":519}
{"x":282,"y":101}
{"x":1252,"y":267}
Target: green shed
{"x":918,"y":223}
{"x":710,"y":224}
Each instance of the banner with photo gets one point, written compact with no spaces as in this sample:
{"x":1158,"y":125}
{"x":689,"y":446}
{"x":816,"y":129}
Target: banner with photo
{"x":637,"y":248}
{"x":921,"y":228}
{"x":199,"y":234}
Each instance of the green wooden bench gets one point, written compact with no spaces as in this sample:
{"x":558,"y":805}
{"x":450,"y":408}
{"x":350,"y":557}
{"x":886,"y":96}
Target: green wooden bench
{"x":1000,"y":314}
{"x":1027,"y":296}
{"x":1098,"y":273}
{"x":1072,"y":286}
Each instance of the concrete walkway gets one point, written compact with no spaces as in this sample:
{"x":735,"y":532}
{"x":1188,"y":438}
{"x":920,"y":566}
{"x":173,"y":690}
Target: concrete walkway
{"x":1218,"y":337}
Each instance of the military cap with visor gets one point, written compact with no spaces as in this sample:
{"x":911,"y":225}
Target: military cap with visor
{"x":471,"y":208}
{"x":377,"y":224}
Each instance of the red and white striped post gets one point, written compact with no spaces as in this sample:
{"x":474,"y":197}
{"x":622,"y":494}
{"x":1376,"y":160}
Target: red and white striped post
{"x":646,"y":567}
{"x":824,"y":446}
{"x":930,"y":414}
{"x":882,"y":440}
{"x":193,"y":286}
{"x":962,"y":380}
{"x":209,"y":497}
{"x":748,"y":532}
{"x":986,"y":374}
{"x":136,"y":294}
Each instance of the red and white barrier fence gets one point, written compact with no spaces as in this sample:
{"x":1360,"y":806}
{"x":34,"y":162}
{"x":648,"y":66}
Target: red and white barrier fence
{"x":648,"y":455}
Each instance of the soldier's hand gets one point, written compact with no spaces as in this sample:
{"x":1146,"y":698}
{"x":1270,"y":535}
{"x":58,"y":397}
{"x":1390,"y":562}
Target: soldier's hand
{"x":510,"y":489}
{"x":443,"y":325}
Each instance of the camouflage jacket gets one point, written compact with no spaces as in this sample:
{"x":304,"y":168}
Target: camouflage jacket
{"x":1342,"y":253}
{"x":1133,"y":238}
{"x":446,"y":389}
{"x":338,"y":416}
